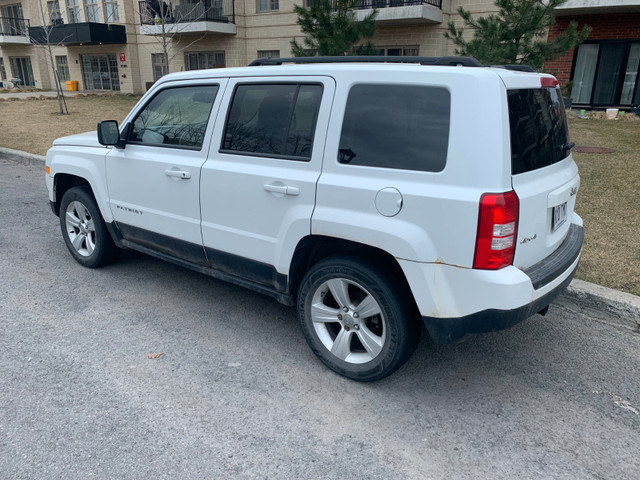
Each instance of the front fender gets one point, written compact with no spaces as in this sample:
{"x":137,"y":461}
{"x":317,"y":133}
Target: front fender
{"x":87,"y":163}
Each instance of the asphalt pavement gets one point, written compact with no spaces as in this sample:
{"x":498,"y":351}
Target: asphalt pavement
{"x":236,"y":393}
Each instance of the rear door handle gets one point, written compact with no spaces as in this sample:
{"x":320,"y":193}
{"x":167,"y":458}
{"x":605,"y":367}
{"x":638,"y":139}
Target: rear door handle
{"x":281,"y":189}
{"x":178,"y":173}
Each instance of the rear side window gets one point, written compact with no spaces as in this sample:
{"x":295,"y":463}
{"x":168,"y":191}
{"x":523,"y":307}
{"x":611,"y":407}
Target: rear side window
{"x":273,"y":120}
{"x":538,"y":124}
{"x":396,"y":126}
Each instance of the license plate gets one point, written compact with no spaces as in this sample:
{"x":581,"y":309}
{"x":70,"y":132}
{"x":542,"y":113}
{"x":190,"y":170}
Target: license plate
{"x":559,"y":216}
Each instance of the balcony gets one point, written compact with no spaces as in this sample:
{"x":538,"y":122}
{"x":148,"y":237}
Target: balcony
{"x":14,"y":31}
{"x":402,"y":12}
{"x":86,"y":33}
{"x":210,"y":16}
{"x":589,"y":7}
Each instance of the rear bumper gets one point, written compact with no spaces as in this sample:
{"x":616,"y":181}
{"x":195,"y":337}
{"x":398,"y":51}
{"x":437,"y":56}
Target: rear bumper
{"x":451,"y":330}
{"x":462,"y":301}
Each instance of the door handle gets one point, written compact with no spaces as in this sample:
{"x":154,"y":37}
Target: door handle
{"x":178,"y":173}
{"x":281,"y":189}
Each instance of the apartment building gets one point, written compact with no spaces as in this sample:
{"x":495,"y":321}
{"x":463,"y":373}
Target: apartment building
{"x":117,"y":45}
{"x":604,"y":70}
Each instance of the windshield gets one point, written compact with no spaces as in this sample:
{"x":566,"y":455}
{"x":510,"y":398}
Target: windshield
{"x":538,"y":122}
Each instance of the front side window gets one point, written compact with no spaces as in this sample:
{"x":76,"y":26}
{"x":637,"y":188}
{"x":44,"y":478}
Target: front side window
{"x":396,"y":126}
{"x":276,"y":120}
{"x":175,"y":117}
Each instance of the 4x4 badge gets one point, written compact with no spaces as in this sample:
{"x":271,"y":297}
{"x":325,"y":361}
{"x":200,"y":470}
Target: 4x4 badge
{"x":528,"y":239}
{"x":573,"y":191}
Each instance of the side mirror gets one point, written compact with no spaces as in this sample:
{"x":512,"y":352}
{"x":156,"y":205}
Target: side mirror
{"x":109,"y":135}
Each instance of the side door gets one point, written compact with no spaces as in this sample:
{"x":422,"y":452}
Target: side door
{"x":154,"y":181}
{"x":259,"y":182}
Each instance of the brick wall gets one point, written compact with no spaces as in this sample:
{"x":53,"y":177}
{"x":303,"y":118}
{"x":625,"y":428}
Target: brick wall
{"x":605,"y":27}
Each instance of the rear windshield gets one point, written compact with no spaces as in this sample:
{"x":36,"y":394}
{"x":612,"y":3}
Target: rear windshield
{"x":538,"y":122}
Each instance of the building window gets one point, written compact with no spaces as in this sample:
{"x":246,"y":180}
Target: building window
{"x":398,"y":51}
{"x":160,"y":67}
{"x":21,"y":69}
{"x":100,"y":72}
{"x":91,"y":8}
{"x":13,"y":22}
{"x":55,"y":17}
{"x":268,"y":5}
{"x":62,"y":65}
{"x":3,"y":72}
{"x":606,"y":74}
{"x":268,"y":53}
{"x":111,"y":11}
{"x":73,"y":11}
{"x":202,"y":60}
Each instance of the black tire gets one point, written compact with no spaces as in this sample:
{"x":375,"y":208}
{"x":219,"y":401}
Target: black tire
{"x":84,"y":230}
{"x":375,"y":344}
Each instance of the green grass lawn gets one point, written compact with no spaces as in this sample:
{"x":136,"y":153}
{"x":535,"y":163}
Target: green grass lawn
{"x":608,"y":200}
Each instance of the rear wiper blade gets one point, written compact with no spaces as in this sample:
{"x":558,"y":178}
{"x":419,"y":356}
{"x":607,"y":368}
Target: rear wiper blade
{"x":567,"y":146}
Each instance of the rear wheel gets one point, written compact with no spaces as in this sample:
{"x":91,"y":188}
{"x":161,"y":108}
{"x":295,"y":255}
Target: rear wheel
{"x":355,"y":320}
{"x":84,"y":230}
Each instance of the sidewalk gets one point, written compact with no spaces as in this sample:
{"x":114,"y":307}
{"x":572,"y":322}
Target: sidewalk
{"x":52,"y":94}
{"x":616,"y":308}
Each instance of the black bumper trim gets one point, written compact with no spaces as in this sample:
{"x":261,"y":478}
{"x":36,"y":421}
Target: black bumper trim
{"x":547,"y":270}
{"x":451,"y":330}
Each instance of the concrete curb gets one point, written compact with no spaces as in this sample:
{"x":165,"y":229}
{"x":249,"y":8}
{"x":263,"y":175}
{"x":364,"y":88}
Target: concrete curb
{"x":602,"y":303}
{"x":22,"y":157}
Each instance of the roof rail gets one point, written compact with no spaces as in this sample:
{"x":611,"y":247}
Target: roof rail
{"x":442,"y":61}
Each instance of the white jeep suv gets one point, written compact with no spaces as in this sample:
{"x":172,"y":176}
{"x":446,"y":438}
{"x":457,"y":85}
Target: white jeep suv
{"x":377,"y":194}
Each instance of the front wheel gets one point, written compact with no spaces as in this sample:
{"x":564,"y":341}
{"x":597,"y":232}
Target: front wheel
{"x":355,"y":320}
{"x":84,"y":230}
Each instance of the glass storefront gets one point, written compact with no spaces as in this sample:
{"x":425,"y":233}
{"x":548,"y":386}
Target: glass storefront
{"x":100,"y":72}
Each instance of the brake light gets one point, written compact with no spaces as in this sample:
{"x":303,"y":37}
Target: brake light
{"x":497,"y":230}
{"x":550,"y":82}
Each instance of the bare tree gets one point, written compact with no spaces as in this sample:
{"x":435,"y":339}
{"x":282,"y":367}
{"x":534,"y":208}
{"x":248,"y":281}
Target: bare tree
{"x":47,"y":28}
{"x":174,"y":19}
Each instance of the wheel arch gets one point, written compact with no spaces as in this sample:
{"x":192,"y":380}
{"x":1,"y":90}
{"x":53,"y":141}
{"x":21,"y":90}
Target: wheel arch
{"x":62,"y":182}
{"x":315,"y":248}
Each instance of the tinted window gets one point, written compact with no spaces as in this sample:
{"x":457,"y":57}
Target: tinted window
{"x":273,"y":120}
{"x":175,"y":117}
{"x":538,"y":129}
{"x":396,"y":126}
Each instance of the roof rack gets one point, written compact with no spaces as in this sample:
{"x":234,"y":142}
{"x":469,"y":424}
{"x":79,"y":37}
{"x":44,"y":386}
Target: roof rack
{"x":442,"y":61}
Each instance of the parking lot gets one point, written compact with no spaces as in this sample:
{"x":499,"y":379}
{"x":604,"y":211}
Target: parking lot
{"x":236,"y":392}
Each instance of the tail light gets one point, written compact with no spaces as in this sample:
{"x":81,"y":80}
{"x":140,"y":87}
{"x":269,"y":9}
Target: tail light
{"x":497,"y":230}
